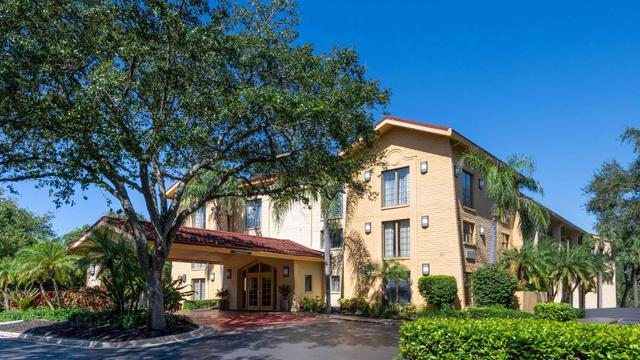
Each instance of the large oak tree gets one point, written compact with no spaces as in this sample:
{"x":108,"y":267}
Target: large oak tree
{"x":133,"y":96}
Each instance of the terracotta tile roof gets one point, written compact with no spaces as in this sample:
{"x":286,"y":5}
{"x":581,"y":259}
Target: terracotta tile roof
{"x":222,"y":239}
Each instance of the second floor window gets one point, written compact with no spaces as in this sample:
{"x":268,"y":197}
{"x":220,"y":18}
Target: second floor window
{"x":198,"y":266}
{"x":200,"y":218}
{"x":254,"y":214}
{"x":467,"y":189}
{"x":467,"y":232}
{"x":335,"y":210}
{"x":505,"y":242}
{"x":396,"y":238}
{"x":395,"y":187}
{"x":335,"y":238}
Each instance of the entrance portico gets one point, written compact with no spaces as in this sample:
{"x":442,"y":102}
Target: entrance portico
{"x":253,"y":267}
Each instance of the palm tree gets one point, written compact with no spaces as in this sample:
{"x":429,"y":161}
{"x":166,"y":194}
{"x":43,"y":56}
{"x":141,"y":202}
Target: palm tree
{"x":527,"y":264}
{"x":6,"y":278}
{"x":48,"y":261}
{"x":505,"y":182}
{"x":391,"y":270}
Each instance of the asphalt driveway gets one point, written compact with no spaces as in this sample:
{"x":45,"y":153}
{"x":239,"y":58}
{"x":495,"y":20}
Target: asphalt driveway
{"x":332,"y":339}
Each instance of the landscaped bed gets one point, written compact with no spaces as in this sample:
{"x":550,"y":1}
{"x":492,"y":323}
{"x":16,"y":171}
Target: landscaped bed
{"x":101,"y":326}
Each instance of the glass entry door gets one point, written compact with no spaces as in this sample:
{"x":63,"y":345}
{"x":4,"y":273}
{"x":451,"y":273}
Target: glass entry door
{"x":260,"y":287}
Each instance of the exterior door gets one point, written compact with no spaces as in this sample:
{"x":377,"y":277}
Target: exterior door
{"x":253,"y":292}
{"x":260,"y":287}
{"x":266,"y":292}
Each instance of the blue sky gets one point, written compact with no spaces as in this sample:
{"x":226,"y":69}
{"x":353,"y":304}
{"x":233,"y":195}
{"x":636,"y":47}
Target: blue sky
{"x":557,"y":81}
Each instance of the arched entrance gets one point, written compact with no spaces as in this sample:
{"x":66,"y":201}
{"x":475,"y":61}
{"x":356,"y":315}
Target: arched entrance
{"x":260,"y":282}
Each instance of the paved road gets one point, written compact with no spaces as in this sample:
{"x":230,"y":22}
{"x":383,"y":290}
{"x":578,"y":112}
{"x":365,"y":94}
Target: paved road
{"x":617,"y":315}
{"x":327,"y":340}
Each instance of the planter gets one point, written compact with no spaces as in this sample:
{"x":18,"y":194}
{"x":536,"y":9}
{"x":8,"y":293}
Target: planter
{"x":284,"y":305}
{"x":528,"y":299}
{"x":223,"y":304}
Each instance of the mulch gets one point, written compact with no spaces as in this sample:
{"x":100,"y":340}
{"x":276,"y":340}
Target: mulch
{"x":81,"y":331}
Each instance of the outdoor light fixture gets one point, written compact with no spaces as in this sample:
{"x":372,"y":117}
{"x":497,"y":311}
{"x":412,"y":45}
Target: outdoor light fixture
{"x":457,"y":170}
{"x":92,"y":270}
{"x":228,"y":273}
{"x":285,"y":271}
{"x":424,"y":221}
{"x":481,"y":183}
{"x":367,"y":175}
{"x":367,"y":228}
{"x":212,"y":277}
{"x":183,"y":278}
{"x":425,"y":269}
{"x":424,"y":166}
{"x":481,"y":230}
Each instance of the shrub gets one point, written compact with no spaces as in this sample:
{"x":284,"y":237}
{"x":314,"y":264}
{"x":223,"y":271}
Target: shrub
{"x":438,"y":290}
{"x":356,"y":305}
{"x":313,"y":305}
{"x":516,"y":339}
{"x":493,"y":286}
{"x":129,"y":320}
{"x":40,"y":314}
{"x":555,"y":312}
{"x":495,"y":312}
{"x":199,"y":304}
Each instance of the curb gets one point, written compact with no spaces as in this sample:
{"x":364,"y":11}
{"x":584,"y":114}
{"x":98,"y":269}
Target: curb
{"x":366,"y":320}
{"x":161,"y":340}
{"x":11,"y":322}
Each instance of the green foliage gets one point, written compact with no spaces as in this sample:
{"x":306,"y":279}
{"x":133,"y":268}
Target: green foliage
{"x":20,"y":227}
{"x":492,"y":285}
{"x":314,"y":305}
{"x":389,"y":270}
{"x":174,"y":294}
{"x":528,"y":264}
{"x":555,"y":312}
{"x":495,"y":312}
{"x":199,"y":304}
{"x":40,"y":314}
{"x":128,"y":320}
{"x":23,"y":299}
{"x":356,"y":306}
{"x":438,"y":290}
{"x":516,"y":339}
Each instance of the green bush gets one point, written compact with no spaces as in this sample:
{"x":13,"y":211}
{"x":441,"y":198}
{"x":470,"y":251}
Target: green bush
{"x":555,"y":312}
{"x":516,"y":339}
{"x":356,"y":306}
{"x":40,"y":314}
{"x":126,"y":321}
{"x":493,"y":286}
{"x":438,"y":290}
{"x":495,"y":312}
{"x":199,"y":304}
{"x":313,"y":305}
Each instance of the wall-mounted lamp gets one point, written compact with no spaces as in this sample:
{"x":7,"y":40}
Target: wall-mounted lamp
{"x":481,"y":183}
{"x":425,"y":269}
{"x":367,"y":228}
{"x":424,"y":166}
{"x":183,"y":278}
{"x":481,"y":230}
{"x":228,"y":273}
{"x":285,"y":271}
{"x":457,"y":170}
{"x":367,"y":176}
{"x":424,"y":221}
{"x":212,"y":276}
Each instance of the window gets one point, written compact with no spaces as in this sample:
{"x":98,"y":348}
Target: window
{"x":395,"y":187}
{"x":467,"y":189}
{"x":467,"y":232}
{"x":335,"y":284}
{"x":335,"y":209}
{"x":254,"y":213}
{"x":335,"y":238}
{"x":198,"y":266}
{"x":308,"y":284}
{"x":400,"y":293}
{"x":505,"y":241}
{"x":197,"y":285}
{"x":200,"y":218}
{"x":396,"y":238}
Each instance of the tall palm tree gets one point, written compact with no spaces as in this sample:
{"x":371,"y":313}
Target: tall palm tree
{"x":394,"y":271}
{"x":505,"y":182}
{"x":527,"y":264}
{"x":49,"y":261}
{"x":6,"y":278}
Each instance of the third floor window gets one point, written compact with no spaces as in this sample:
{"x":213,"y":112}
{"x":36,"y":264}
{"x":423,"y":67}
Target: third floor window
{"x":467,"y":189}
{"x":395,"y":187}
{"x":254,"y":214}
{"x":395,"y":238}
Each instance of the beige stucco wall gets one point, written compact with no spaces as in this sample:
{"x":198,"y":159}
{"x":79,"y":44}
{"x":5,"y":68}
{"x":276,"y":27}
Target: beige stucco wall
{"x":211,"y":272}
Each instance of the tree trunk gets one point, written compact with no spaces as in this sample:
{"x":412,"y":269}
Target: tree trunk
{"x":56,"y":291}
{"x":397,"y":294}
{"x":536,"y":238}
{"x":327,"y":264}
{"x":44,"y":296}
{"x":634,"y":284}
{"x":492,"y":241}
{"x":599,"y":291}
{"x":625,"y":293}
{"x":5,"y":298}
{"x":155,"y":296}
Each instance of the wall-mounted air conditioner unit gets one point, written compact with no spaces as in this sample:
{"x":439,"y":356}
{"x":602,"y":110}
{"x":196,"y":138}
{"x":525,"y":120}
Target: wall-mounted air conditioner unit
{"x":471,"y":254}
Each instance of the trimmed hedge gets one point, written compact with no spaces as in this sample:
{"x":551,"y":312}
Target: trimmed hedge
{"x":493,"y":286}
{"x":495,"y":312}
{"x":516,"y":339}
{"x":438,"y":290}
{"x":555,"y":312}
{"x":40,"y":314}
{"x":199,"y":304}
{"x":125,"y":321}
